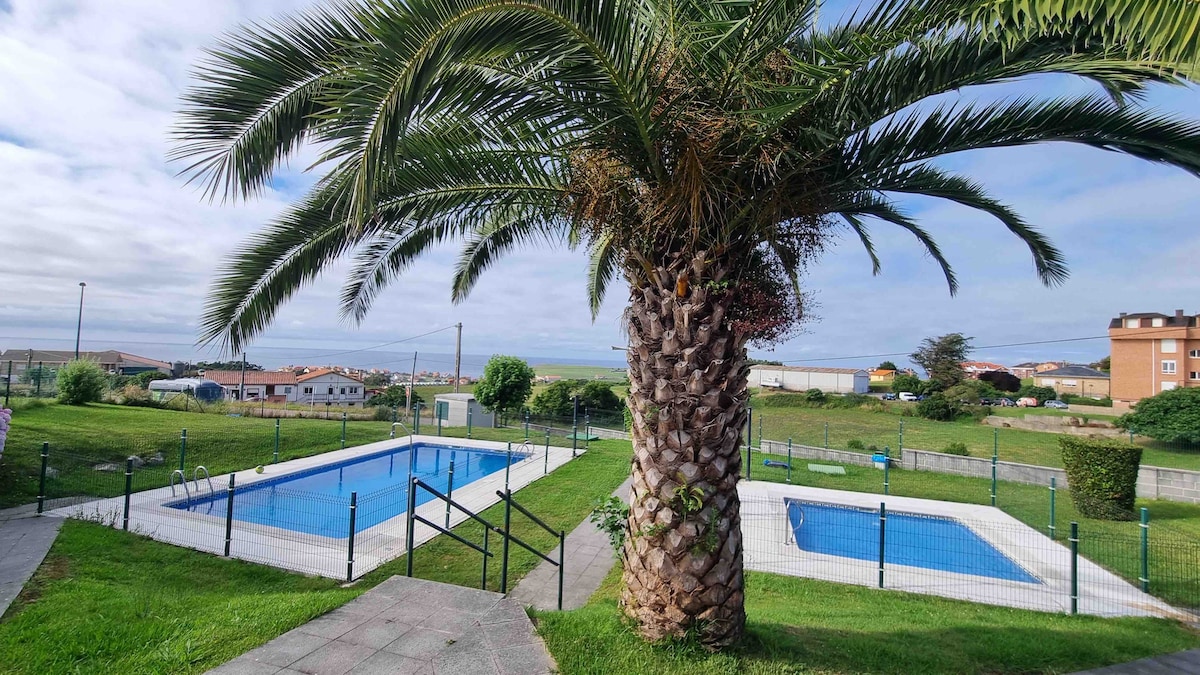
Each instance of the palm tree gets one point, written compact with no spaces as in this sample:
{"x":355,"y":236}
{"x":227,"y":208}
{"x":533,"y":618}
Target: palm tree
{"x":705,"y":150}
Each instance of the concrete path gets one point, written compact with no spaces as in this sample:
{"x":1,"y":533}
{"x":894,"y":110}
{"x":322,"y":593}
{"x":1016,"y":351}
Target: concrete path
{"x":25,"y":538}
{"x":1182,"y":663}
{"x":589,"y":557}
{"x":407,"y":626}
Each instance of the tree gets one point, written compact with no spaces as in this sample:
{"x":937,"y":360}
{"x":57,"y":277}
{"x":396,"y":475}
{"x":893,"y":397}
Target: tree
{"x":1171,"y":416}
{"x":555,"y":400}
{"x":144,"y":379}
{"x":887,"y":365}
{"x":597,"y":395}
{"x":942,"y":358}
{"x":1042,"y":394}
{"x":1104,"y":364}
{"x":395,"y":396}
{"x":376,"y":380}
{"x":939,"y":407}
{"x":37,"y":375}
{"x":81,"y":382}
{"x":506,"y":385}
{"x":226,"y":365}
{"x":971,"y":391}
{"x":705,"y":151}
{"x":1002,"y":381}
{"x":910,"y":383}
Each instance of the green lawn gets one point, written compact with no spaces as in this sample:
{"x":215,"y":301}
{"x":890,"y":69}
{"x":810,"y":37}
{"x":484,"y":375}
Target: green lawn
{"x":805,"y":626}
{"x":807,"y":426}
{"x":570,"y":372}
{"x":107,"y":601}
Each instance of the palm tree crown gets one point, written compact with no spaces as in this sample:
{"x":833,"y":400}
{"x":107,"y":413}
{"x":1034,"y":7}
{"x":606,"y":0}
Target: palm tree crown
{"x":706,"y":150}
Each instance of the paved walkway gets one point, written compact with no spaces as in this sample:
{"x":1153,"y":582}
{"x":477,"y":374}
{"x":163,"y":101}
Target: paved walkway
{"x":1183,"y":663}
{"x":24,"y":540}
{"x":406,"y":626}
{"x":588,"y":557}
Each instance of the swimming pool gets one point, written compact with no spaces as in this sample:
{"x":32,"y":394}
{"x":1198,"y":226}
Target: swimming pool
{"x":930,"y":542}
{"x":316,"y":501}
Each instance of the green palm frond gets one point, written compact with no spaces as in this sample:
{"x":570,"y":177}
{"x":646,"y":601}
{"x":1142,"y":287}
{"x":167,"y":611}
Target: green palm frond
{"x":604,"y":260}
{"x":866,"y":204}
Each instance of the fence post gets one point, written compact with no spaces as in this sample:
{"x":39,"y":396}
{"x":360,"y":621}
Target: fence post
{"x":350,"y":550}
{"x":468,"y":422}
{"x":507,"y":464}
{"x":526,"y":425}
{"x":275,"y":457}
{"x":749,"y":429}
{"x":760,"y":419}
{"x":128,"y":491}
{"x":887,"y":466}
{"x":1145,"y":577}
{"x":42,"y":478}
{"x":416,"y":418}
{"x":449,"y":488}
{"x":789,"y":473}
{"x":343,"y":429}
{"x":8,"y":386}
{"x":747,"y":457}
{"x":900,"y":448}
{"x":483,"y":583}
{"x":827,"y":435}
{"x":1074,"y":567}
{"x":574,"y":425}
{"x":587,"y":431}
{"x":412,"y":507}
{"x":182,"y":448}
{"x":1053,"y":492}
{"x":439,"y":421}
{"x":229,"y":516}
{"x":504,"y":555}
{"x":995,"y":458}
{"x":39,"y":380}
{"x":562,"y":559}
{"x":546,"y":467}
{"x":1130,"y":433}
{"x":882,"y":530}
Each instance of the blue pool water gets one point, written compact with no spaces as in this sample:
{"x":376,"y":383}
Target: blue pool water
{"x":316,"y":501}
{"x":930,"y":542}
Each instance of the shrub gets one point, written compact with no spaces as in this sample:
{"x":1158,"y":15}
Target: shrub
{"x":611,"y":516}
{"x":1170,"y":416}
{"x":81,"y":382}
{"x":855,"y":444}
{"x":957,"y":448}
{"x":814,"y":396}
{"x":1102,"y":476}
{"x":873,"y":449}
{"x":938,"y":407}
{"x":909,"y":383}
{"x":133,"y":395}
{"x":383,"y":413}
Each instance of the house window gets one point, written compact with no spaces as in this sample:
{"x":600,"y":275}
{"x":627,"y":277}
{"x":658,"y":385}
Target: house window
{"x":1168,"y":367}
{"x":1167,"y":345}
{"x":1194,"y":375}
{"x":1070,"y":383}
{"x":1195,"y":354}
{"x":353,"y":390}
{"x":342,"y":391}
{"x":1133,"y":323}
{"x":330,"y":392}
{"x":1156,"y":323}
{"x":1168,"y":386}
{"x":287,"y":390}
{"x":308,"y":390}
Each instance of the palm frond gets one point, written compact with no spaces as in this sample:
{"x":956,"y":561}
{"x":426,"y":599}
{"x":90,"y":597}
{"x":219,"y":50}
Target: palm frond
{"x":604,"y":260}
{"x":867,"y":204}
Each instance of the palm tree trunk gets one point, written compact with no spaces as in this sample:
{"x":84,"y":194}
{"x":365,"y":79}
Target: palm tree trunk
{"x":687,"y":395}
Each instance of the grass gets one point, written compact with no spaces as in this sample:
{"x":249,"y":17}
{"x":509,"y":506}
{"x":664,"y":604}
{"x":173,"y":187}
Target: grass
{"x":571,"y":372}
{"x":806,"y":426}
{"x":806,"y":626}
{"x":107,"y":601}
{"x":1175,"y":527}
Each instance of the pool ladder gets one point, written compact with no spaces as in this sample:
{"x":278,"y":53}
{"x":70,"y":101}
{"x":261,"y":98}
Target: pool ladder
{"x":791,"y":530}
{"x":195,"y":483}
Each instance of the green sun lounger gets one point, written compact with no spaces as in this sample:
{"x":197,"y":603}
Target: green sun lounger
{"x":831,"y":469}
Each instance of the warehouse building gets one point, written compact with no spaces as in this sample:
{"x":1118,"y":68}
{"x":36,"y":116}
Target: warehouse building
{"x":803,"y":378}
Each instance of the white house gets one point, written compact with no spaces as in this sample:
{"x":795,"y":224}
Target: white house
{"x":803,"y":378}
{"x":273,"y":386}
{"x":325,"y":386}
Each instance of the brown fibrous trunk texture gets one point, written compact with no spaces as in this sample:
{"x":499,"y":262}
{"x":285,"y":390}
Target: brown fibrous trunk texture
{"x":687,"y":395}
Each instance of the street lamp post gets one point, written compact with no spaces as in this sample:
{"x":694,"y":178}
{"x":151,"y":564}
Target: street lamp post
{"x":79,"y":325}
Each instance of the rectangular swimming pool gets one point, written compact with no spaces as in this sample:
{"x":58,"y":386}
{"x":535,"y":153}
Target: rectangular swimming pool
{"x":316,"y":501}
{"x":930,"y":542}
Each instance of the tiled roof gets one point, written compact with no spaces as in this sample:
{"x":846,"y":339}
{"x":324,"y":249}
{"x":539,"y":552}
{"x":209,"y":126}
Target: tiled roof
{"x":1075,"y":371}
{"x":324,"y":371}
{"x":253,"y":377}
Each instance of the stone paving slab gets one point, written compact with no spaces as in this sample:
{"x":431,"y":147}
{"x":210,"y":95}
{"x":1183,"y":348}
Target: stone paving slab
{"x":1182,"y":663}
{"x":25,"y":538}
{"x":588,"y":559}
{"x":406,"y":626}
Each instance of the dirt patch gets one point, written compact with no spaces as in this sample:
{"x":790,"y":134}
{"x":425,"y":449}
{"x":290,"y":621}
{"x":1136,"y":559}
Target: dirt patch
{"x":53,"y":568}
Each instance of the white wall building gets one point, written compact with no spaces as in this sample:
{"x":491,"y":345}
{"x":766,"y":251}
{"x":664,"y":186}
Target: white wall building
{"x":452,"y":408}
{"x":803,"y":378}
{"x":325,"y":386}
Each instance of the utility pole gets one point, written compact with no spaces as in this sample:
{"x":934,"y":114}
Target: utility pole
{"x":79,"y":326}
{"x":457,"y":356}
{"x":412,"y":382}
{"x":242,"y":386}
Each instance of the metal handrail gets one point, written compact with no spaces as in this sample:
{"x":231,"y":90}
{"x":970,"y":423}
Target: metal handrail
{"x":183,"y":482}
{"x":417,"y":483}
{"x":792,"y":529}
{"x":196,"y":479}
{"x":402,"y":426}
{"x":509,"y":503}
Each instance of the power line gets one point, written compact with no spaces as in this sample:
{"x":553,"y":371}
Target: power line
{"x":386,"y":344}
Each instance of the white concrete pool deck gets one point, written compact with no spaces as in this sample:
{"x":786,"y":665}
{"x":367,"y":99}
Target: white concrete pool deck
{"x":769,"y":548}
{"x":310,"y":553}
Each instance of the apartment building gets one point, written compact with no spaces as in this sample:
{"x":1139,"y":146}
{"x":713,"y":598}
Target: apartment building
{"x":1153,"y":352}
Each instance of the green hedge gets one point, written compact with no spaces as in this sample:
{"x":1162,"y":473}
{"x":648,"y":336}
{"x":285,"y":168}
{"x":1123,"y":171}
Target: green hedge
{"x":1102,"y":476}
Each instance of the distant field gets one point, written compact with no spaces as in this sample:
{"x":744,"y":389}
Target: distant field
{"x":570,"y":372}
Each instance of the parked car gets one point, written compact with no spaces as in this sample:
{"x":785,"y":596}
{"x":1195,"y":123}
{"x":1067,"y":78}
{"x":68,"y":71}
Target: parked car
{"x":1027,"y":402}
{"x":985,"y":401}
{"x":1004,"y":402}
{"x":889,"y":397}
{"x":1056,"y":404}
{"x":907,"y":396}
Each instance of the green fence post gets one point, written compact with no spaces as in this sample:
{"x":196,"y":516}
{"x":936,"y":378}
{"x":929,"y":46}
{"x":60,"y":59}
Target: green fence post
{"x":882,"y":529}
{"x":900,"y":447}
{"x":343,"y":429}
{"x":749,"y":428}
{"x":437,"y":414}
{"x":450,"y":487}
{"x":42,"y":479}
{"x":995,"y":458}
{"x":827,"y":435}
{"x":1053,"y":492}
{"x":789,"y":473}
{"x":526,"y":425}
{"x":408,"y":535}
{"x":275,"y":456}
{"x":468,"y":421}
{"x":416,"y":418}
{"x":562,"y":559}
{"x":748,"y":454}
{"x":39,"y":380}
{"x":546,"y":466}
{"x":350,"y":544}
{"x":760,"y":421}
{"x":507,"y":465}
{"x":1074,"y":567}
{"x":504,"y":555}
{"x":8,"y":384}
{"x":128,"y":491}
{"x":229,"y":516}
{"x":1131,"y":436}
{"x":1145,"y":577}
{"x":182,"y":448}
{"x":587,"y":431}
{"x":887,"y":466}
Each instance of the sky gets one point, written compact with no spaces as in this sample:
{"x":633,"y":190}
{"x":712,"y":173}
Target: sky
{"x":88,"y":94}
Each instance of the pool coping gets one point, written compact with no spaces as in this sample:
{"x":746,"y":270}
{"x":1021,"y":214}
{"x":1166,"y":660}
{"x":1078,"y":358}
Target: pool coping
{"x":1101,"y":592}
{"x":311,"y":553}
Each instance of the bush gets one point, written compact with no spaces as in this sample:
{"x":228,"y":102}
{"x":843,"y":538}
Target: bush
{"x":383,"y":413}
{"x":814,"y":396}
{"x":1171,"y":416}
{"x":1105,"y":402}
{"x":1102,"y":476}
{"x":939,"y":408}
{"x":81,"y":382}
{"x":909,"y":383}
{"x":855,"y":444}
{"x":133,"y":395}
{"x":957,"y":448}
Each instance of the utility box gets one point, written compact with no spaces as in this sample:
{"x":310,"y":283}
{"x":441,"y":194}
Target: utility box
{"x":453,"y":409}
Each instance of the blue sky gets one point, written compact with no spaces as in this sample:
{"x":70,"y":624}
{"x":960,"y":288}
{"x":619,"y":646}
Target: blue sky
{"x":87,"y":94}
